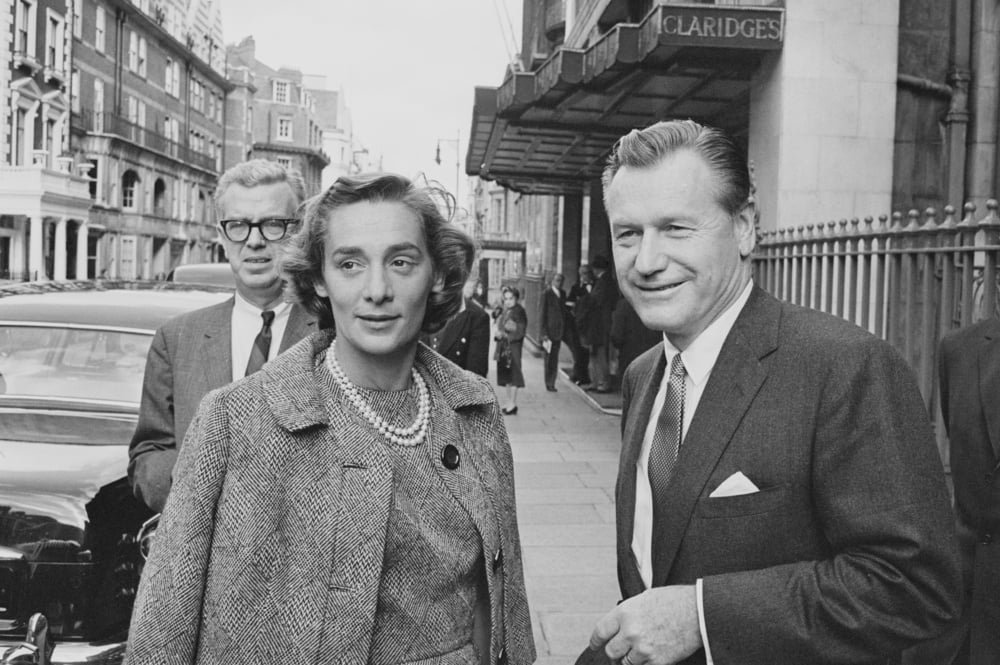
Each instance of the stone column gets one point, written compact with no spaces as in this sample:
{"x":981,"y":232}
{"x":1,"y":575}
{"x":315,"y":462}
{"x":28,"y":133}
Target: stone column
{"x":81,"y":250}
{"x":59,"y":269}
{"x":36,"y":265}
{"x":572,"y":227}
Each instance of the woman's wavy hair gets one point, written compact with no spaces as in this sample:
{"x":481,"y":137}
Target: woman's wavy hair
{"x":452,"y":251}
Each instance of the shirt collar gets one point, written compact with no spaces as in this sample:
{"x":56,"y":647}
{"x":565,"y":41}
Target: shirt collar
{"x":244,"y":306}
{"x":700,"y":356}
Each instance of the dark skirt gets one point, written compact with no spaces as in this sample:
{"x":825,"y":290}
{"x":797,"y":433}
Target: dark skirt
{"x":512,"y":375}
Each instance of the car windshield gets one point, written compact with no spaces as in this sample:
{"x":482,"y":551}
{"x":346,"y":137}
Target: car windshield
{"x":87,"y":364}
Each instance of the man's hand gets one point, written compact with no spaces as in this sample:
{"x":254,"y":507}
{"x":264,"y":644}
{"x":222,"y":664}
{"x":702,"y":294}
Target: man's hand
{"x":658,"y":627}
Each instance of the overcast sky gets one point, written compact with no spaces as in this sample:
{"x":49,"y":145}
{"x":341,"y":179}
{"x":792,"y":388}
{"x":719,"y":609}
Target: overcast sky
{"x":408,"y":68}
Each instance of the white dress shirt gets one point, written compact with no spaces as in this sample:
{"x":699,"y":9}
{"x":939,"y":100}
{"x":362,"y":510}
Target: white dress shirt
{"x":699,"y":359}
{"x":246,"y":324}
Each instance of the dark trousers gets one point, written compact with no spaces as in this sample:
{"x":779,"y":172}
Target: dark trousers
{"x":552,"y":364}
{"x":581,"y":364}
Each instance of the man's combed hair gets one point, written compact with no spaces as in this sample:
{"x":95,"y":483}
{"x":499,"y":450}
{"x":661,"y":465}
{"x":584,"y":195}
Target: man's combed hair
{"x":645,"y":148}
{"x":452,"y":251}
{"x":259,"y":172}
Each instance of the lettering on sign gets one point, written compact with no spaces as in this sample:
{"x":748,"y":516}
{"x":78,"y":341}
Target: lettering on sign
{"x":722,"y":27}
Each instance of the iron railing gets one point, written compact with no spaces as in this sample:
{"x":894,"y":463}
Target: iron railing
{"x":109,"y":123}
{"x":908,"y":279}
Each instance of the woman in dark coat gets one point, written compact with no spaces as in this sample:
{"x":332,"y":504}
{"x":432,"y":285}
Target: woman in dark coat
{"x":511,"y":326}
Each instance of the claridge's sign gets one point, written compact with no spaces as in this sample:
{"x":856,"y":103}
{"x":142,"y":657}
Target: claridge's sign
{"x":697,"y":25}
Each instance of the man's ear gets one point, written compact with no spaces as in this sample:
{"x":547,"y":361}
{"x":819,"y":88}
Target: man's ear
{"x":746,"y":228}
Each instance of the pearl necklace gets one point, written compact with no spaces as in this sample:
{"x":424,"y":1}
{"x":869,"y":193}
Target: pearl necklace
{"x":404,"y":436}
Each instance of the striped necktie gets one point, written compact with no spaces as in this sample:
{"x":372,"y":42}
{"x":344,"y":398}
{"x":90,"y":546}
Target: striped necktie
{"x":262,"y":344}
{"x":665,"y":447}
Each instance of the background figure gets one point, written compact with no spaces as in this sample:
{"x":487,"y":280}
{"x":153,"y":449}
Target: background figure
{"x":479,"y":294}
{"x":780,"y":498}
{"x":354,"y":486}
{"x":601,"y":300}
{"x":629,"y":335}
{"x":553,"y":327}
{"x":970,"y":405}
{"x":465,"y":338}
{"x":256,"y":203}
{"x":511,"y":324}
{"x":579,"y":297}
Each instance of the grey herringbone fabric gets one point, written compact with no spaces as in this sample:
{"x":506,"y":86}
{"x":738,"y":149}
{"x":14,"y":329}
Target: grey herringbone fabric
{"x":272,"y":542}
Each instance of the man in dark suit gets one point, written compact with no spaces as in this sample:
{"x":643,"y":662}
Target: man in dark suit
{"x":780,"y":499}
{"x":602,"y":301}
{"x":970,"y":403}
{"x":553,"y":326}
{"x":577,"y":302}
{"x":465,"y":339}
{"x":195,"y":353}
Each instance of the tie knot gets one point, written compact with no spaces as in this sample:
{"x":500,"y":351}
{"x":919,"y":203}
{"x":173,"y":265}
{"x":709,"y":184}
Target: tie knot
{"x":268,"y":316}
{"x":677,"y":366}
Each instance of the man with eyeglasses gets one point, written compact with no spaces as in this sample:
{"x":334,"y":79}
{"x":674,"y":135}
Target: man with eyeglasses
{"x":192,"y":354}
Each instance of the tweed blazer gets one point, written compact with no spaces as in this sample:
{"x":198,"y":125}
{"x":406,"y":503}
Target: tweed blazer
{"x":190,"y":355}
{"x":970,"y":404}
{"x":270,"y":549}
{"x":847,"y":553}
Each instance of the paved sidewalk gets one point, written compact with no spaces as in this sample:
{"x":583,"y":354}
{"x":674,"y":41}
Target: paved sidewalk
{"x":566,"y":460}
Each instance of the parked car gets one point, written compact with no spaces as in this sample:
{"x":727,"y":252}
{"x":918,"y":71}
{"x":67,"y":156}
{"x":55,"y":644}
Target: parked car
{"x":220,"y":274}
{"x":72,"y":357}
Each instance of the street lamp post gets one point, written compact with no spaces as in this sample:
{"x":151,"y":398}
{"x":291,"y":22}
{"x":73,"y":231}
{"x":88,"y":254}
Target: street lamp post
{"x":437,"y":158}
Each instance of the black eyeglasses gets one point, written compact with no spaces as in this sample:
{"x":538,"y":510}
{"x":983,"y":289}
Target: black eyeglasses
{"x":271,"y":228}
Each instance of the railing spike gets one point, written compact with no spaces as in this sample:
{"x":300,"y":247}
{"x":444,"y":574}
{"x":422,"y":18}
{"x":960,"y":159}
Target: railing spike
{"x":913,"y":216}
{"x":854,"y":224}
{"x":897,"y":220}
{"x":991,"y":218}
{"x":970,"y":211}
{"x":949,"y":217}
{"x":930,"y":218}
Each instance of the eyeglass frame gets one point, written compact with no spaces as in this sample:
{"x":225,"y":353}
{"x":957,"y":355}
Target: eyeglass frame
{"x":259,"y":225}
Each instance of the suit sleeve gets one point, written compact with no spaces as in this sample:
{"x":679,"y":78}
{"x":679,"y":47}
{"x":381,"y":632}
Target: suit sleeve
{"x":168,"y":608}
{"x":479,"y":344}
{"x":891,"y":576}
{"x":153,"y":450}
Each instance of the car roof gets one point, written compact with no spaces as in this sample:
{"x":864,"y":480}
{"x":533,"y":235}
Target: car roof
{"x":105,"y":303}
{"x":204,"y":273}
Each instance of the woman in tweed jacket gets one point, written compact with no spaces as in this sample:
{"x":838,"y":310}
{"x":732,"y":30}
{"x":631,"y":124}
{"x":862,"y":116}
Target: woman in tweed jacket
{"x":352,"y":502}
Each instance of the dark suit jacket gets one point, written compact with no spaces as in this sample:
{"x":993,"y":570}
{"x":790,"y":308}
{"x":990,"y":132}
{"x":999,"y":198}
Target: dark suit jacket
{"x":465,"y":339}
{"x":847,"y":552}
{"x":970,"y":404}
{"x":190,"y":355}
{"x":552,"y":314}
{"x":271,"y":546}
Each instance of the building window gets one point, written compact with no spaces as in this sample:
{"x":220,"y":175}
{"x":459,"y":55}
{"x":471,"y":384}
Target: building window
{"x":133,"y":51}
{"x":24,"y":34}
{"x":281,"y":92}
{"x":78,"y":18}
{"x":284,"y":129}
{"x":100,"y":29}
{"x":142,"y":57}
{"x":172,"y":78}
{"x":285,"y":162}
{"x":130,"y":185}
{"x":74,"y":90}
{"x":54,"y":41}
{"x":140,"y":117}
{"x":98,"y":105}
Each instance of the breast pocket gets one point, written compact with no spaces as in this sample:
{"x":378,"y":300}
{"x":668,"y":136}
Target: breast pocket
{"x":764,"y":501}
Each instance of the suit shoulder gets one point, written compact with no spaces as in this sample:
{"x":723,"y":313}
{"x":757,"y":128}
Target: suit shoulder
{"x":971,"y":334}
{"x":177,"y":323}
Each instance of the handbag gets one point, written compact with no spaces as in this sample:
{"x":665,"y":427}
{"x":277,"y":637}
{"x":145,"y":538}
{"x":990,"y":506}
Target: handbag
{"x":503,"y":354}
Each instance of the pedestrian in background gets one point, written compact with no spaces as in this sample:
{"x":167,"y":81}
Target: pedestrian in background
{"x":465,"y":338}
{"x":553,"y":327}
{"x":511,"y":324}
{"x":629,"y":336}
{"x":194,"y":353}
{"x":601,"y":301}
{"x":579,"y":299}
{"x":354,"y":486}
{"x":780,"y":498}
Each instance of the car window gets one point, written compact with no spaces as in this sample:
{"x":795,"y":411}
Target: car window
{"x":86,"y":364}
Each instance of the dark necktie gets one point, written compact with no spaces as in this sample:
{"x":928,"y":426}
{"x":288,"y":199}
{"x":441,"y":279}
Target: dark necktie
{"x":665,"y":447}
{"x":261,"y":345}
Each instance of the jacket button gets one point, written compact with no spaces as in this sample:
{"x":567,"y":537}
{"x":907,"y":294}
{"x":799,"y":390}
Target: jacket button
{"x":986,"y":539}
{"x":498,"y":559}
{"x":502,"y":656}
{"x":450,"y":457}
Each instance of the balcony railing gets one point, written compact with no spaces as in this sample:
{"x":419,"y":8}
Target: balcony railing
{"x":109,"y":123}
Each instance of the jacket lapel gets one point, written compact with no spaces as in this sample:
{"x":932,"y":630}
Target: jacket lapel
{"x":215,"y":356}
{"x":300,"y":325}
{"x":989,"y":386}
{"x":639,"y":413}
{"x":451,"y":332}
{"x":735,"y":379}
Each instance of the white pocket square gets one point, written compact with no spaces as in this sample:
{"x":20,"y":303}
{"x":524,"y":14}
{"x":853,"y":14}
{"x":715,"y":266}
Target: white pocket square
{"x":735,"y":485}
